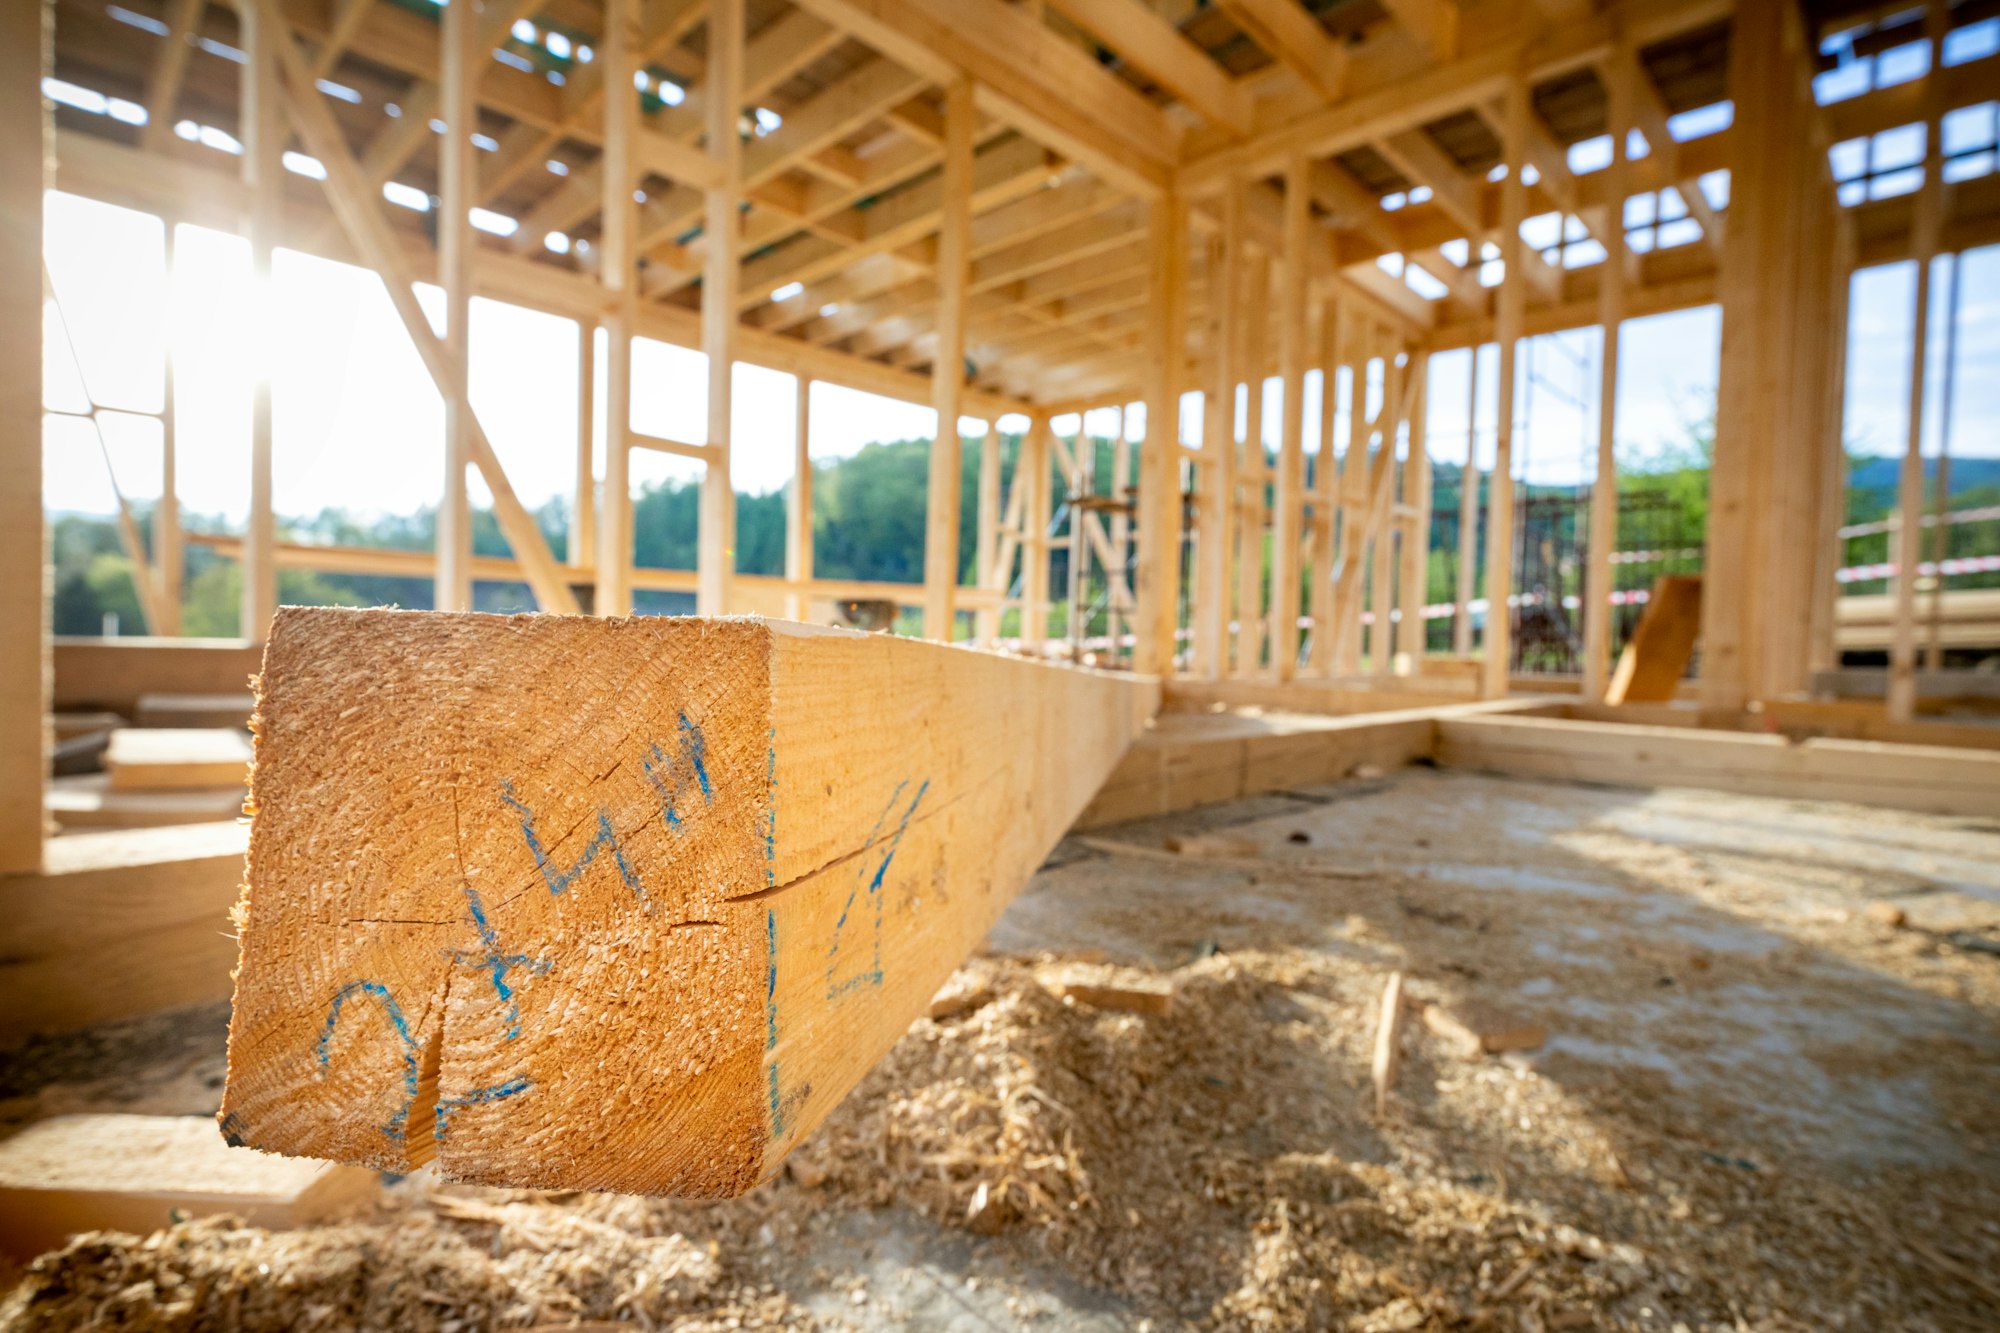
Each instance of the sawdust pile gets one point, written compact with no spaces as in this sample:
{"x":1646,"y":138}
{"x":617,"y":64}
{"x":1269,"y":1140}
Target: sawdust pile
{"x":1220,"y":1165}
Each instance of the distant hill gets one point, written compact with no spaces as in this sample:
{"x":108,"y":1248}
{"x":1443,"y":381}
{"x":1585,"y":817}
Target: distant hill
{"x":1879,"y":475}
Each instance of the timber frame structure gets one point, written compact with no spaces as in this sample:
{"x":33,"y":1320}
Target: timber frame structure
{"x":1036,"y":209}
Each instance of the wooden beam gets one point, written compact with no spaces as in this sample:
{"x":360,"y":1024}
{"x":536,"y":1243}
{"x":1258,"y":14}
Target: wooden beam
{"x":1603,"y":531}
{"x":27,"y":146}
{"x":646,"y":945}
{"x":948,"y":365}
{"x":1468,"y":515}
{"x":799,"y":505}
{"x":1289,"y":497}
{"x":1217,"y":482}
{"x":616,"y":271}
{"x":1901,"y":703}
{"x":458,"y":191}
{"x":1512,"y":308}
{"x":1417,"y":156}
{"x":163,"y":84}
{"x":1414,"y":575}
{"x":265,"y":40}
{"x":715,"y":552}
{"x":1160,"y":51}
{"x":1434,"y":24}
{"x":379,"y":250}
{"x":1295,"y":39}
{"x":1160,"y":458}
{"x":1027,"y":76}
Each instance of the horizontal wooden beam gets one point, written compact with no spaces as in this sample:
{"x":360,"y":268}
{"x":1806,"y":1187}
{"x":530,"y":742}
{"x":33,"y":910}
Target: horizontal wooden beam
{"x":646,"y":918}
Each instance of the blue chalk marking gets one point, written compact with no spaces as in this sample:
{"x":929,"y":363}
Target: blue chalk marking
{"x":558,"y":879}
{"x":771,"y":808}
{"x":394,"y":1013}
{"x":670,"y":775}
{"x":499,"y":1092}
{"x":872,"y":977}
{"x":770,"y":979}
{"x":777,"y":1107}
{"x":498,"y":964}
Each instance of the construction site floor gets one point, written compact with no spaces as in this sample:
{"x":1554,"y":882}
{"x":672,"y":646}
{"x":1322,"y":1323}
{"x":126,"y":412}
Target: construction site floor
{"x":1760,"y":1090}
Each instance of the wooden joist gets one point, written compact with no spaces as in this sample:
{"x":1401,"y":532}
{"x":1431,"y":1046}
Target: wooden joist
{"x":623,"y":904}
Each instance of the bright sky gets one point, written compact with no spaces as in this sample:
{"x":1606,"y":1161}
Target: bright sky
{"x":360,"y":427}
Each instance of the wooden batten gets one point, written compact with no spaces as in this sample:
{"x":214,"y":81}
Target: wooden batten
{"x":660,"y":891}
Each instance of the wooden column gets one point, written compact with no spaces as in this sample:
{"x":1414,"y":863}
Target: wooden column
{"x":1160,"y":461}
{"x":458,"y":191}
{"x":169,"y":541}
{"x":1924,"y":226}
{"x":583,"y":521}
{"x":1468,"y":516}
{"x":617,"y":271}
{"x":1512,"y":309}
{"x":1119,"y":595}
{"x":1290,"y":490}
{"x":1217,"y":478}
{"x":1032,"y":473}
{"x":986,"y":621}
{"x":1603,"y":533}
{"x":799,"y":508}
{"x":722,"y":229}
{"x":263,"y":177}
{"x":1382,"y":525}
{"x":1414,"y":577}
{"x":954,"y":247}
{"x":1252,"y":474}
{"x":26,"y":158}
{"x":1326,"y":495}
{"x":1824,"y":649}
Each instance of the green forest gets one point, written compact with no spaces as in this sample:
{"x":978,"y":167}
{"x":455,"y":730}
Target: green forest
{"x":868,"y":512}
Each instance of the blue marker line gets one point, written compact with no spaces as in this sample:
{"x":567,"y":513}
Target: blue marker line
{"x":777,"y":1106}
{"x":499,"y":1092}
{"x":498,"y":963}
{"x":874,"y":976}
{"x":770,"y":979}
{"x":771,"y":804}
{"x":557,"y":879}
{"x":394,"y":1013}
{"x":669,"y":776}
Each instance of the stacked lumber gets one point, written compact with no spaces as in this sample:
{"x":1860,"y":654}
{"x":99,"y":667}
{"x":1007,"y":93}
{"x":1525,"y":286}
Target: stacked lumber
{"x":196,"y":710}
{"x":156,"y":759}
{"x":623,"y":904}
{"x":135,"y":1173}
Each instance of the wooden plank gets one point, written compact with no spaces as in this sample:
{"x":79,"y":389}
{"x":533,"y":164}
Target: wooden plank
{"x":26,"y":143}
{"x":147,"y":906}
{"x":265,"y":41}
{"x":115,"y":673}
{"x":1296,"y":40}
{"x":1511,"y":310}
{"x":646,"y":917}
{"x":1936,"y":779}
{"x":458,"y":189}
{"x":1654,"y":661}
{"x":159,"y":709}
{"x":617,"y":273}
{"x":1289,"y":493}
{"x":156,"y":758}
{"x":89,"y":801}
{"x":1603,"y":530}
{"x":139,"y":1173}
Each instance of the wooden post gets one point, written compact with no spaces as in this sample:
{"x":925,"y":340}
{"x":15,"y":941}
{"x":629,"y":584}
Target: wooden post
{"x":1941,"y":490}
{"x":986,"y":621}
{"x":1924,"y":226}
{"x":26,"y":158}
{"x":616,"y":271}
{"x":1217,"y":478}
{"x":798,"y":510}
{"x":1597,"y":578}
{"x":263,"y":176}
{"x":583,"y":520}
{"x":1290,"y":491}
{"x":1119,"y":596}
{"x":1512,"y":310}
{"x":1326,"y":502}
{"x":1382,"y":526}
{"x":1468,"y":516}
{"x":1032,"y":472}
{"x":954,"y":247}
{"x":169,"y":541}
{"x":1415,"y":575}
{"x":1252,"y":474}
{"x":1824,"y":650}
{"x":1079,"y":484}
{"x":1160,"y":462}
{"x":458,"y":192}
{"x":722,"y":228}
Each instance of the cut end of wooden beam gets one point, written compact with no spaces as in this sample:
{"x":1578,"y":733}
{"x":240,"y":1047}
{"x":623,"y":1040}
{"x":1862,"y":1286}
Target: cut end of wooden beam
{"x":622,"y":904}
